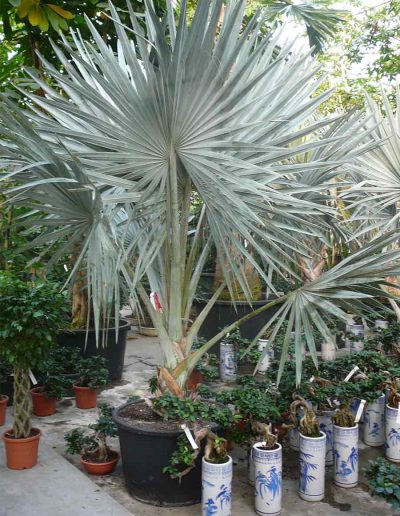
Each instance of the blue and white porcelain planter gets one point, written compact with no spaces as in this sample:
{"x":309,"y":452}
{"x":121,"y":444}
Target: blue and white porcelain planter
{"x":358,"y":331}
{"x":345,"y":453}
{"x":381,"y":324}
{"x":312,"y":468}
{"x":250,"y":468}
{"x":326,"y":426}
{"x":263,"y":346}
{"x":294,"y":439}
{"x":392,"y":434}
{"x":228,"y":362}
{"x":216,"y":497}
{"x":268,"y":480}
{"x":374,"y":422}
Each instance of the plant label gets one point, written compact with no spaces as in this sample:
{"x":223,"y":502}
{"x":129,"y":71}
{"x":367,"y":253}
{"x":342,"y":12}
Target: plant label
{"x":32,"y":378}
{"x":311,"y":379}
{"x":189,"y":437}
{"x":360,"y":411}
{"x":354,"y":370}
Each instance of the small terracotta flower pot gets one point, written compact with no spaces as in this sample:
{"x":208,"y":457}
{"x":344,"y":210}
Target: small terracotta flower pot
{"x":3,"y":407}
{"x":42,"y":405}
{"x":85,"y":397}
{"x":101,"y":468}
{"x":21,"y":453}
{"x":194,"y":379}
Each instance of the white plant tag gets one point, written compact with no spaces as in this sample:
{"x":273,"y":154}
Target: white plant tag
{"x":398,"y":414}
{"x":360,"y":411}
{"x":312,"y":379}
{"x":32,"y":378}
{"x":354,"y":370}
{"x":189,"y":437}
{"x":336,"y":402}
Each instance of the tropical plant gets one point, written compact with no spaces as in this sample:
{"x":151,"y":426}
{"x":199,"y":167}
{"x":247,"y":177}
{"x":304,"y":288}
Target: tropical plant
{"x":109,"y":169}
{"x":94,"y":447}
{"x":29,"y":323}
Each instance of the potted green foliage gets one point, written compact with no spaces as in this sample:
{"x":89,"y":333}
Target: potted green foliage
{"x":116,"y":195}
{"x":96,"y":456}
{"x":383,"y":479}
{"x":30,"y":316}
{"x":92,"y":376}
{"x":52,"y":387}
{"x":392,"y":420}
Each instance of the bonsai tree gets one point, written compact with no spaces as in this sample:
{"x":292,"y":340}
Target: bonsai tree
{"x":94,"y":447}
{"x":112,"y":155}
{"x":308,"y":424}
{"x":30,"y":316}
{"x":92,"y":372}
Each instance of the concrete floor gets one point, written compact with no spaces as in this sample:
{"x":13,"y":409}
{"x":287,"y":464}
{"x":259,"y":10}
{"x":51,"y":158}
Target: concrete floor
{"x":142,"y":355}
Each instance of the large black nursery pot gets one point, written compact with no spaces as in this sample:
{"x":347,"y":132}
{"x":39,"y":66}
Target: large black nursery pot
{"x":112,"y":351}
{"x":7,"y":388}
{"x":144,"y":453}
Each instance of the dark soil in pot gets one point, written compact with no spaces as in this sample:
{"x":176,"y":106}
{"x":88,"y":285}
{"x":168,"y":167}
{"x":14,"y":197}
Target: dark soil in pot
{"x":147,"y":444}
{"x":112,"y":351}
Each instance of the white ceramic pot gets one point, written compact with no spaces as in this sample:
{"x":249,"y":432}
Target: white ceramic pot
{"x":345,"y":453}
{"x":228,"y":362}
{"x":268,"y":480}
{"x":312,"y":468}
{"x":326,"y":426}
{"x":328,"y":351}
{"x":374,"y":422}
{"x":294,"y":439}
{"x":392,"y":434}
{"x":268,"y":355}
{"x":216,"y":497}
{"x":250,"y":468}
{"x":381,"y":324}
{"x":358,"y":331}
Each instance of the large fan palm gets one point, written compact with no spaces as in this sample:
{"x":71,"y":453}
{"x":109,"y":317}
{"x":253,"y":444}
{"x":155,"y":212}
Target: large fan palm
{"x":109,"y":158}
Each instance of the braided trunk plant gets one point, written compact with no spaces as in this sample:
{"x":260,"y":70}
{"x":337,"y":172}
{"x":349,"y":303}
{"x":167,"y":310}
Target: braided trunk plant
{"x":30,"y":316}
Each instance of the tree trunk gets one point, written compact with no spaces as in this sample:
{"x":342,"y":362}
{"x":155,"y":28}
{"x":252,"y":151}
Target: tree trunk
{"x":79,"y":303}
{"x":22,"y":403}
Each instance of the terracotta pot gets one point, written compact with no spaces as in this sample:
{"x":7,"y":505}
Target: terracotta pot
{"x":194,"y":379}
{"x":21,"y":453}
{"x":101,"y":468}
{"x":42,"y":405}
{"x":85,"y":397}
{"x":3,"y":407}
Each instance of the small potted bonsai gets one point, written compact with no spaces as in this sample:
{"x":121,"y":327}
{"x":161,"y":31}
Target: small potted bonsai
{"x":52,"y":387}
{"x":216,"y":476}
{"x":92,"y":375}
{"x":96,"y":456}
{"x":30,"y":315}
{"x":312,"y":454}
{"x":267,"y":458}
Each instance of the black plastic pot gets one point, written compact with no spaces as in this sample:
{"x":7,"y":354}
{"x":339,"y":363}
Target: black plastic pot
{"x":144,"y":453}
{"x":113,"y":352}
{"x":224,"y":313}
{"x":7,"y":388}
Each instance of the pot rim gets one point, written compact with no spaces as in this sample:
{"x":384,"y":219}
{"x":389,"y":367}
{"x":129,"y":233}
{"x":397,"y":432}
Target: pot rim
{"x":116,"y":459}
{"x":217,"y":466}
{"x":223,"y":302}
{"x":80,"y":388}
{"x":130,"y":427}
{"x":392,"y":408}
{"x":24,"y":439}
{"x":124,"y":323}
{"x":4,"y":398}
{"x":346,"y":427}
{"x":306,"y":437}
{"x":258,"y":445}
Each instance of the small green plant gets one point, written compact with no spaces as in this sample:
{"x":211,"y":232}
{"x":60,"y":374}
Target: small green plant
{"x":51,"y":379}
{"x":92,"y":372}
{"x":93,"y":447}
{"x":67,"y":358}
{"x":383,"y":478}
{"x":31,"y":314}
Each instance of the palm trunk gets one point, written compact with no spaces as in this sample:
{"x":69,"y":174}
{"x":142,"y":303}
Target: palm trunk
{"x":22,"y":403}
{"x":79,"y":303}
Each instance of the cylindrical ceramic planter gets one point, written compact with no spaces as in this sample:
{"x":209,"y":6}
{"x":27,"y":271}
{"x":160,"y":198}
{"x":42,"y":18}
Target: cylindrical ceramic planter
{"x":381,"y":324}
{"x":374,"y":422}
{"x":216,"y":498}
{"x":294,"y":439}
{"x":326,"y":426}
{"x":228,"y":362}
{"x":268,"y":480}
{"x":392,"y":434}
{"x":268,"y":356}
{"x":328,"y":351}
{"x":358,"y":331}
{"x":312,"y":468}
{"x":345,"y":453}
{"x":250,"y":468}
